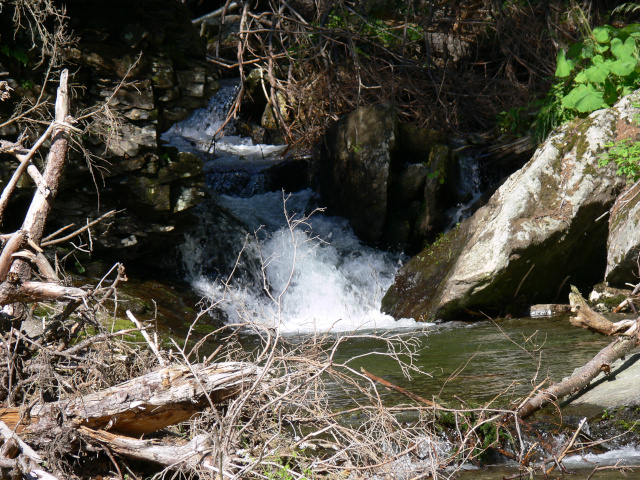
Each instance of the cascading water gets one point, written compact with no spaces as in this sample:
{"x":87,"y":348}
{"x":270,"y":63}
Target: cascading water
{"x":318,"y":276}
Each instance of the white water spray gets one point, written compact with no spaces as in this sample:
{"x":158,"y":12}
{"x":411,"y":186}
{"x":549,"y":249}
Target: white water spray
{"x":319,"y":277}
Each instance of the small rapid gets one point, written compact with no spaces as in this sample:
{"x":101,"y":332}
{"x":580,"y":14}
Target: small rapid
{"x":300,"y":270}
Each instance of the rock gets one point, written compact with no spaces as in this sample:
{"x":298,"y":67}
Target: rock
{"x":391,"y":180}
{"x":411,"y":182}
{"x":438,"y":191}
{"x":604,"y":298}
{"x":352,"y":175}
{"x":548,"y":310}
{"x":537,"y":231}
{"x":156,"y":62}
{"x":618,"y":389}
{"x":623,"y":243}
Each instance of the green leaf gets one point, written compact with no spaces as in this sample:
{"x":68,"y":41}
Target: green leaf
{"x":601,"y":34}
{"x":623,"y":67}
{"x":584,"y":98}
{"x":564,"y":66}
{"x":575,"y":50}
{"x":623,"y":50}
{"x":600,"y":48}
{"x":598,"y":73}
{"x":581,"y":77}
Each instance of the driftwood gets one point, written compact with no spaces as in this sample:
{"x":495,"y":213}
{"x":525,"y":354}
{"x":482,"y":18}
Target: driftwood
{"x":579,"y":380}
{"x":37,"y":292}
{"x":15,"y":271}
{"x":141,"y":405}
{"x":195,"y":453}
{"x":587,"y":318}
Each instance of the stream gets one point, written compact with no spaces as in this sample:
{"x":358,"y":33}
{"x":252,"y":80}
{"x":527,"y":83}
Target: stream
{"x":321,"y":278}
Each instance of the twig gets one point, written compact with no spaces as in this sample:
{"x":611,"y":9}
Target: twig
{"x":80,"y":230}
{"x":152,"y":345}
{"x":401,"y":390}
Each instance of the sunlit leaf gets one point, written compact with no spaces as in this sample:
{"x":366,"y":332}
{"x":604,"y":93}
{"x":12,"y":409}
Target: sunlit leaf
{"x":584,"y":98}
{"x":623,"y":67}
{"x":564,"y":66}
{"x":601,"y":34}
{"x":623,"y":50}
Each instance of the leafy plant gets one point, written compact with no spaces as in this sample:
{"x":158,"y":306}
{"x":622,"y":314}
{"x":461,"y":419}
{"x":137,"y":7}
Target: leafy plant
{"x":592,"y":74}
{"x":626,"y":155}
{"x":15,"y":53}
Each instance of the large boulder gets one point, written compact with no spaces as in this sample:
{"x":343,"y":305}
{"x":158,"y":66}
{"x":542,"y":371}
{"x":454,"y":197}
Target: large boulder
{"x":542,"y":230}
{"x":353,"y":172}
{"x":393,"y":181}
{"x":624,"y":223}
{"x":623,"y":244}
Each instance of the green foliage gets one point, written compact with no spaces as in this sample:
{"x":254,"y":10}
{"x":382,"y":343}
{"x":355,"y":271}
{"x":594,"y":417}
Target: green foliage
{"x":626,"y":155}
{"x":514,"y":121}
{"x":592,"y":74}
{"x":15,"y":53}
{"x":374,"y":29}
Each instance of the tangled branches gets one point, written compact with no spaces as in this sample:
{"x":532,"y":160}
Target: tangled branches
{"x":453,"y":66}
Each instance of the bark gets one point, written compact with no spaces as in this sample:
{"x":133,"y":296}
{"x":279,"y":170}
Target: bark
{"x":14,"y":291}
{"x":37,"y":292}
{"x":14,"y":243}
{"x":144,"y":404}
{"x":191,"y":454}
{"x":579,"y":380}
{"x":587,"y":318}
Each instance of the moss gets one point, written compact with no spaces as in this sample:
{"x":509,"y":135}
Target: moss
{"x":418,"y":284}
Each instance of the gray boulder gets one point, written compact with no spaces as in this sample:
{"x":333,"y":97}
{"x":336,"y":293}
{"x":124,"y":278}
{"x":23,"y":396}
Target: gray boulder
{"x":618,"y":389}
{"x":623,"y":244}
{"x":538,"y":233}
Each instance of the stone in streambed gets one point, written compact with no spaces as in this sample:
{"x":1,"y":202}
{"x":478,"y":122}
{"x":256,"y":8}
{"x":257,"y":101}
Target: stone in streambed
{"x":539,"y":228}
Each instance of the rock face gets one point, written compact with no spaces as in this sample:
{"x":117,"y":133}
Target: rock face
{"x":391,"y":180}
{"x":155,"y":64}
{"x":538,"y":234}
{"x":624,"y":239}
{"x":618,"y":389}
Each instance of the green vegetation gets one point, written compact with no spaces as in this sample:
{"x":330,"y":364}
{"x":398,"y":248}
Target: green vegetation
{"x":592,"y":74}
{"x":625,"y":154}
{"x":15,"y":53}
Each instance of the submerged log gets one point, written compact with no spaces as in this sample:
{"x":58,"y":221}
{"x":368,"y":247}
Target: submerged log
{"x":141,"y":405}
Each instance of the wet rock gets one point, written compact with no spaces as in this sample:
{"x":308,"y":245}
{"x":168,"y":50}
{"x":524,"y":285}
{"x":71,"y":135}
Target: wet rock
{"x":353,"y":173}
{"x":548,"y":310}
{"x":537,"y":234}
{"x":391,"y":180}
{"x":150,"y":71}
{"x":604,"y":298}
{"x":438,"y":191}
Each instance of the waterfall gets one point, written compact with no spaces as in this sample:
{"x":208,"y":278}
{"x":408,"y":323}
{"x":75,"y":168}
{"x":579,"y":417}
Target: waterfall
{"x":299,"y":270}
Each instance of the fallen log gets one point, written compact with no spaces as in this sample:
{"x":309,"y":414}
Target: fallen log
{"x":142,"y":405}
{"x":587,"y":318}
{"x":11,"y":292}
{"x":579,"y":380}
{"x":192,"y":454}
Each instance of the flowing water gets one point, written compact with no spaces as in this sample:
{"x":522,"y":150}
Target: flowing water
{"x":320,"y":278}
